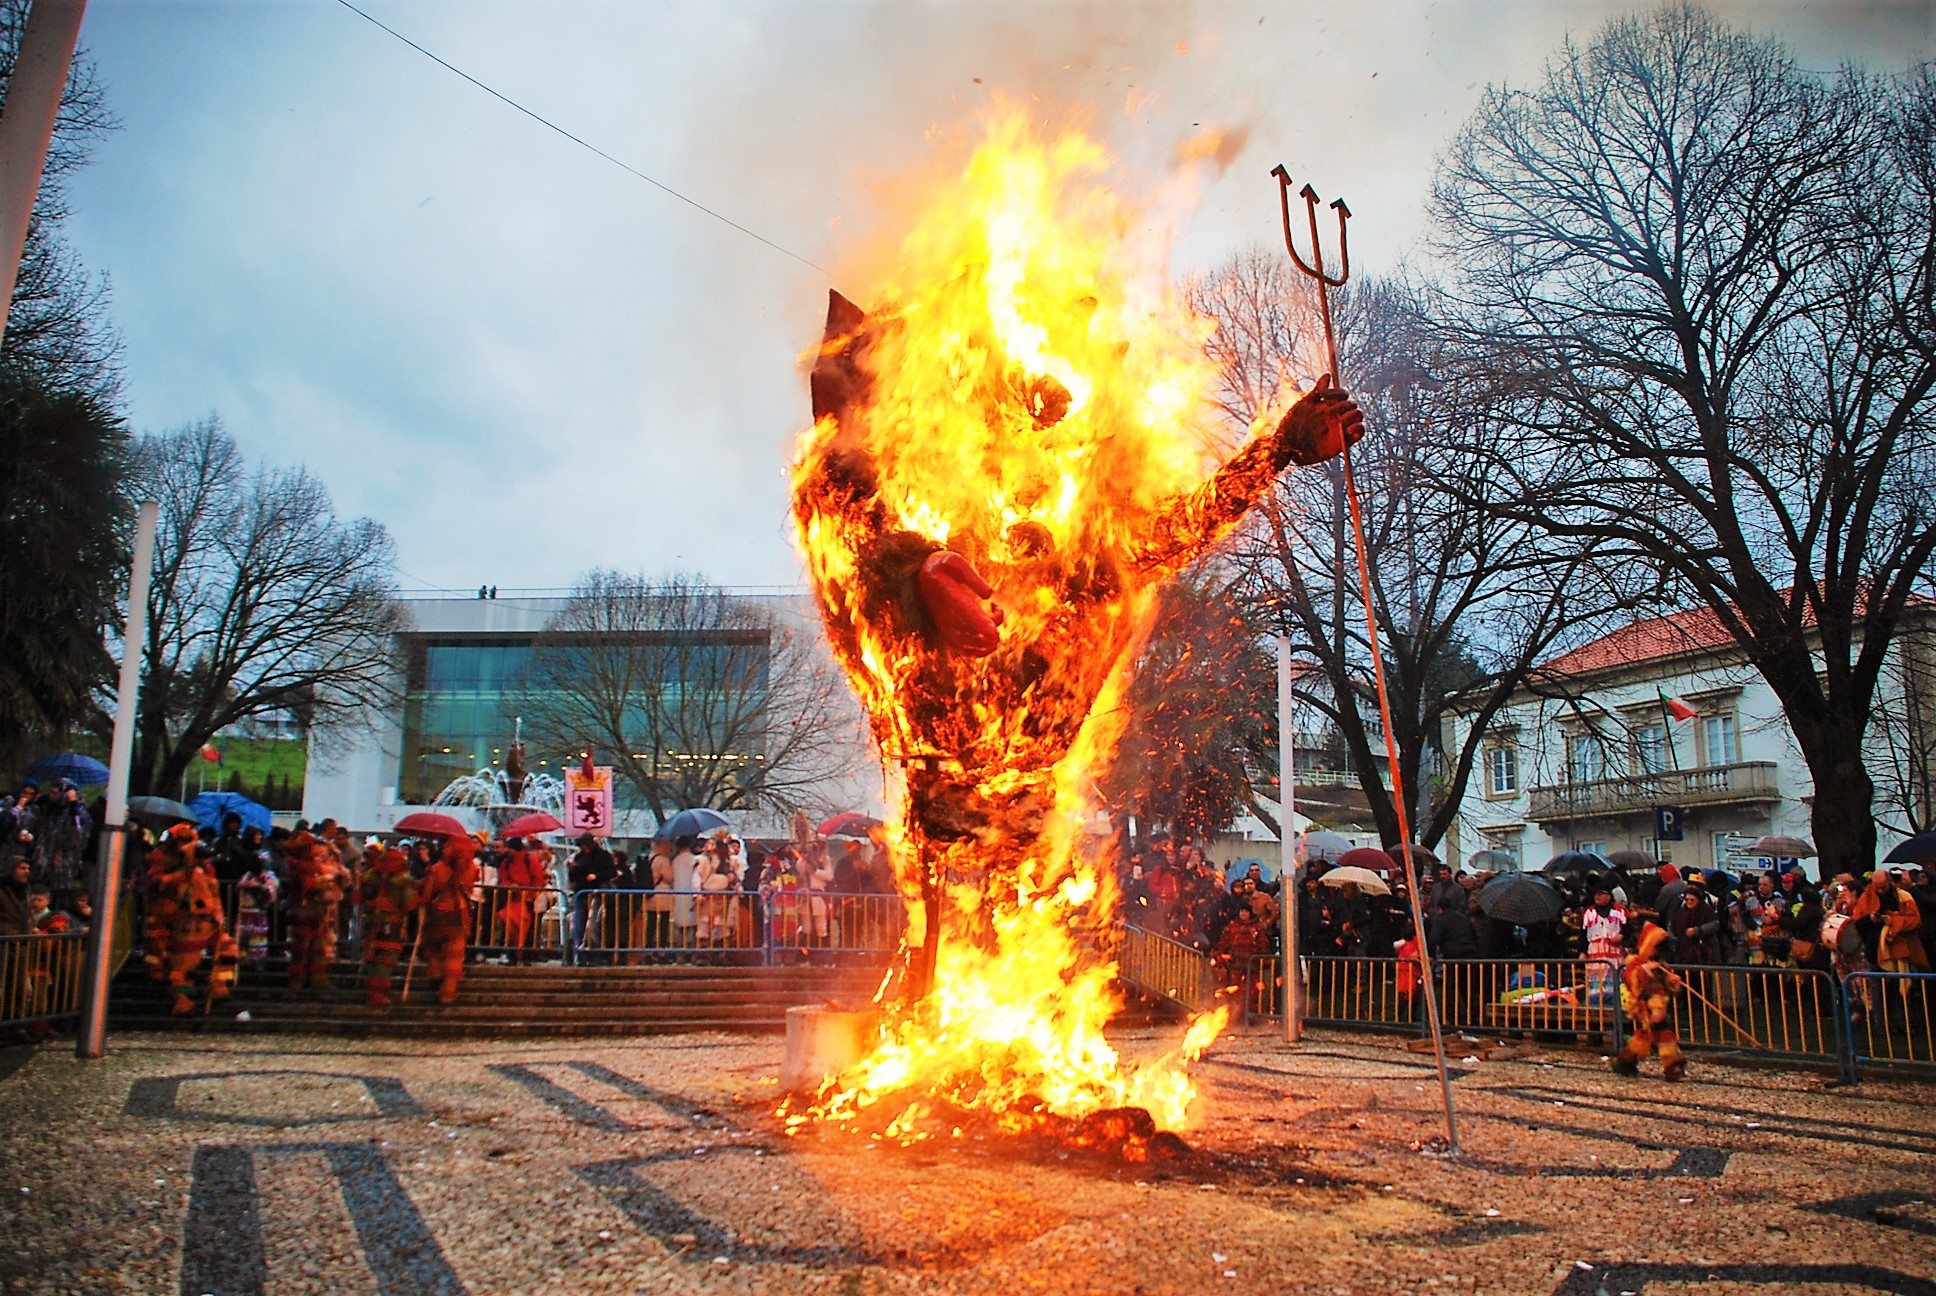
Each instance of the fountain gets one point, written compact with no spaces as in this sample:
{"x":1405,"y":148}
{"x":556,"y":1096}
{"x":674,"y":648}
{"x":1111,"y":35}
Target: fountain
{"x":504,"y":794}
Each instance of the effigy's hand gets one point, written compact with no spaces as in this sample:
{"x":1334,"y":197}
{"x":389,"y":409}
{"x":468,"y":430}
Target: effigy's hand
{"x":952,"y":591}
{"x":1322,"y":423}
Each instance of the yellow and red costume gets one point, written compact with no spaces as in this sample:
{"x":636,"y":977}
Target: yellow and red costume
{"x":446,"y":901}
{"x":387,"y":893}
{"x":174,"y":853}
{"x":1647,"y":990}
{"x":317,"y":881}
{"x":198,"y":929}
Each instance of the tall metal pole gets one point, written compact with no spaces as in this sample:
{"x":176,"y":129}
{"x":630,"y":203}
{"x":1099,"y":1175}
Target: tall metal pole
{"x":114,"y":828}
{"x":1288,"y":887}
{"x":27,"y":124}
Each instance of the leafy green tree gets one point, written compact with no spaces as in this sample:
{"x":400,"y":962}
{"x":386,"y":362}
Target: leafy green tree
{"x":64,"y":522}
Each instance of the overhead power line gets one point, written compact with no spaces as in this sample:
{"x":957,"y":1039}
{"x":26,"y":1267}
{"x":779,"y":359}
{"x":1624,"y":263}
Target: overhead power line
{"x":581,"y":142}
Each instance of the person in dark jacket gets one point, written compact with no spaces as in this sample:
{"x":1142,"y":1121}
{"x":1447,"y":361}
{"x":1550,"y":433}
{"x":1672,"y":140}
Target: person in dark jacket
{"x":592,"y":870}
{"x":1450,"y":935}
{"x":1693,"y":923}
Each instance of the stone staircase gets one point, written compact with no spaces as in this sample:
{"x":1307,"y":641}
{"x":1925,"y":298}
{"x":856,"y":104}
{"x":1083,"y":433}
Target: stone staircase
{"x":512,"y":1002}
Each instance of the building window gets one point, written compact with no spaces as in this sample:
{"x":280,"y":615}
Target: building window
{"x":1502,"y":771}
{"x":1592,"y":848}
{"x":1723,"y":849}
{"x":1652,"y":755}
{"x":1586,"y":758}
{"x":1717,"y":740}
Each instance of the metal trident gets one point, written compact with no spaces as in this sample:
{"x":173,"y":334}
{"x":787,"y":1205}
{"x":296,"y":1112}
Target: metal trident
{"x":1326,"y":282}
{"x":1315,"y":266}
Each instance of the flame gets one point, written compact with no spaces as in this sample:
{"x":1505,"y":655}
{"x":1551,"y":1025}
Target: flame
{"x":1027,"y":391}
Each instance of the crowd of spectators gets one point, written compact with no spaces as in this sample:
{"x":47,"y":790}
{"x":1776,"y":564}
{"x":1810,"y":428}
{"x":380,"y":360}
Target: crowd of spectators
{"x":1752,"y":919}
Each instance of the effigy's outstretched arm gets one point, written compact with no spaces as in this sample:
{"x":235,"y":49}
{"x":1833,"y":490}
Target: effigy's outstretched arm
{"x":1320,"y":425}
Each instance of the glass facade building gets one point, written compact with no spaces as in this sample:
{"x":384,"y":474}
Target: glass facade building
{"x":461,"y":707}
{"x":464,"y":697}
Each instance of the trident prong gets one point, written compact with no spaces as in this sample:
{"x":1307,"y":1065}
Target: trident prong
{"x":1315,"y":266}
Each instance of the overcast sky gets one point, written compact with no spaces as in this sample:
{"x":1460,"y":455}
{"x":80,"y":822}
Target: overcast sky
{"x":526,"y":362}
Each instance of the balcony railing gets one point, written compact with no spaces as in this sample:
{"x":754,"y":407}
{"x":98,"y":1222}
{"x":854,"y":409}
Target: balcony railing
{"x":1744,"y":781}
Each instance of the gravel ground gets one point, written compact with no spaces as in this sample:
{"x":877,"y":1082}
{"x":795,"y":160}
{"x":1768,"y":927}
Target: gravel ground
{"x":307,"y":1165}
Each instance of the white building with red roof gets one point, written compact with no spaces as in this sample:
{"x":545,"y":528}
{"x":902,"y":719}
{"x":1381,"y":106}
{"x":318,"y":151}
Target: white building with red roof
{"x":1663,"y":725}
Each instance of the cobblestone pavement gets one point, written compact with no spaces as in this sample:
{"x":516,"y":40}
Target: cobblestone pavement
{"x":305,"y":1165}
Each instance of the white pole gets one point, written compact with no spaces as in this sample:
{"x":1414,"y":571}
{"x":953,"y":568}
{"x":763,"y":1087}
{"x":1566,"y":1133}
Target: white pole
{"x":27,"y":124}
{"x":1287,"y":884}
{"x":107,"y":881}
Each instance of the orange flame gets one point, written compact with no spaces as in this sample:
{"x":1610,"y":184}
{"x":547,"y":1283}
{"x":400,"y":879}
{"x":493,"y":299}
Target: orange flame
{"x":1026,"y":392}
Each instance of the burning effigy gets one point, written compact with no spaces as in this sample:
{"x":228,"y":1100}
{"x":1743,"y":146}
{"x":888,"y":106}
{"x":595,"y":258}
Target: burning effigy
{"x":1009,"y":458}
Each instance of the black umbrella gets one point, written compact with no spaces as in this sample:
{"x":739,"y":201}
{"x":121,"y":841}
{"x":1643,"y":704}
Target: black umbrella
{"x":1576,"y":862}
{"x":1520,"y":899}
{"x":1920,"y":849}
{"x":160,"y":810}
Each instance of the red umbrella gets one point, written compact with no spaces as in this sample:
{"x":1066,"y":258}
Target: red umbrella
{"x":530,"y":825}
{"x":430,"y":825}
{"x":850,"y":824}
{"x":1367,"y":857}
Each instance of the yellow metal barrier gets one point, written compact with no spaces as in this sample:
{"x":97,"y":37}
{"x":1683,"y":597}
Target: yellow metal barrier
{"x":40,"y":976}
{"x":1760,"y":1009}
{"x":1892,"y":1017}
{"x":1159,"y":965}
{"x":1356,"y":991}
{"x":1557,"y":996}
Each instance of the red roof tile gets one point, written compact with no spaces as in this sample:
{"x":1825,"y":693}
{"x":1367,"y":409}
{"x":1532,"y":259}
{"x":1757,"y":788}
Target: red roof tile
{"x":1648,"y":640}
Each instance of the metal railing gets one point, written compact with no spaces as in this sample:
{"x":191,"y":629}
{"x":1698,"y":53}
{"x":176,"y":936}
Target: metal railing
{"x":518,"y":922}
{"x":1158,"y":965}
{"x":1891,"y":1019}
{"x":1577,"y":997}
{"x":1792,"y":1012}
{"x":1703,"y":785}
{"x":733,"y":926}
{"x":40,"y":976}
{"x":1345,"y":991}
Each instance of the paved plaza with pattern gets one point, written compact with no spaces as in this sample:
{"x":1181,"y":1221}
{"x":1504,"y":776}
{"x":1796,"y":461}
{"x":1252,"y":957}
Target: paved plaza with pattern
{"x":306,"y":1165}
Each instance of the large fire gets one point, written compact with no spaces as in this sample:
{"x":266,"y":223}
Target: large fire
{"x":1007,"y":462}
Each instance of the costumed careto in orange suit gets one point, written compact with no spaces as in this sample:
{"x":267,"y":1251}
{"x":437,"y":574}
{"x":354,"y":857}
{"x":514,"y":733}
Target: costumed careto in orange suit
{"x":317,"y":883}
{"x":160,"y":897}
{"x":198,"y":927}
{"x":445,"y":897}
{"x":1647,"y":992}
{"x":388,"y":893}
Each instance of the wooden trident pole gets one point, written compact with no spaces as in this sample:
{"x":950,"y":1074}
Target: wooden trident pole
{"x":1326,"y":281}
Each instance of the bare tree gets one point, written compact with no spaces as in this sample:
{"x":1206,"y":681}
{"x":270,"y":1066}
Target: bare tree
{"x":1203,"y":716}
{"x":1466,"y":601}
{"x":1905,"y":732}
{"x":57,"y":326}
{"x":1707,"y":275}
{"x":699,"y":697}
{"x":263,"y":603}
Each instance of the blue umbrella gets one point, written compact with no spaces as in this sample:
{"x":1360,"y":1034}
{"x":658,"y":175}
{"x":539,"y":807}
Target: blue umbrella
{"x":696,"y":822}
{"x":81,"y":771}
{"x":209,"y":807}
{"x":1238,"y":868}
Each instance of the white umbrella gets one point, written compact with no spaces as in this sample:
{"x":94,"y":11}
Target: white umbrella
{"x":1352,"y":875}
{"x":1322,"y":844}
